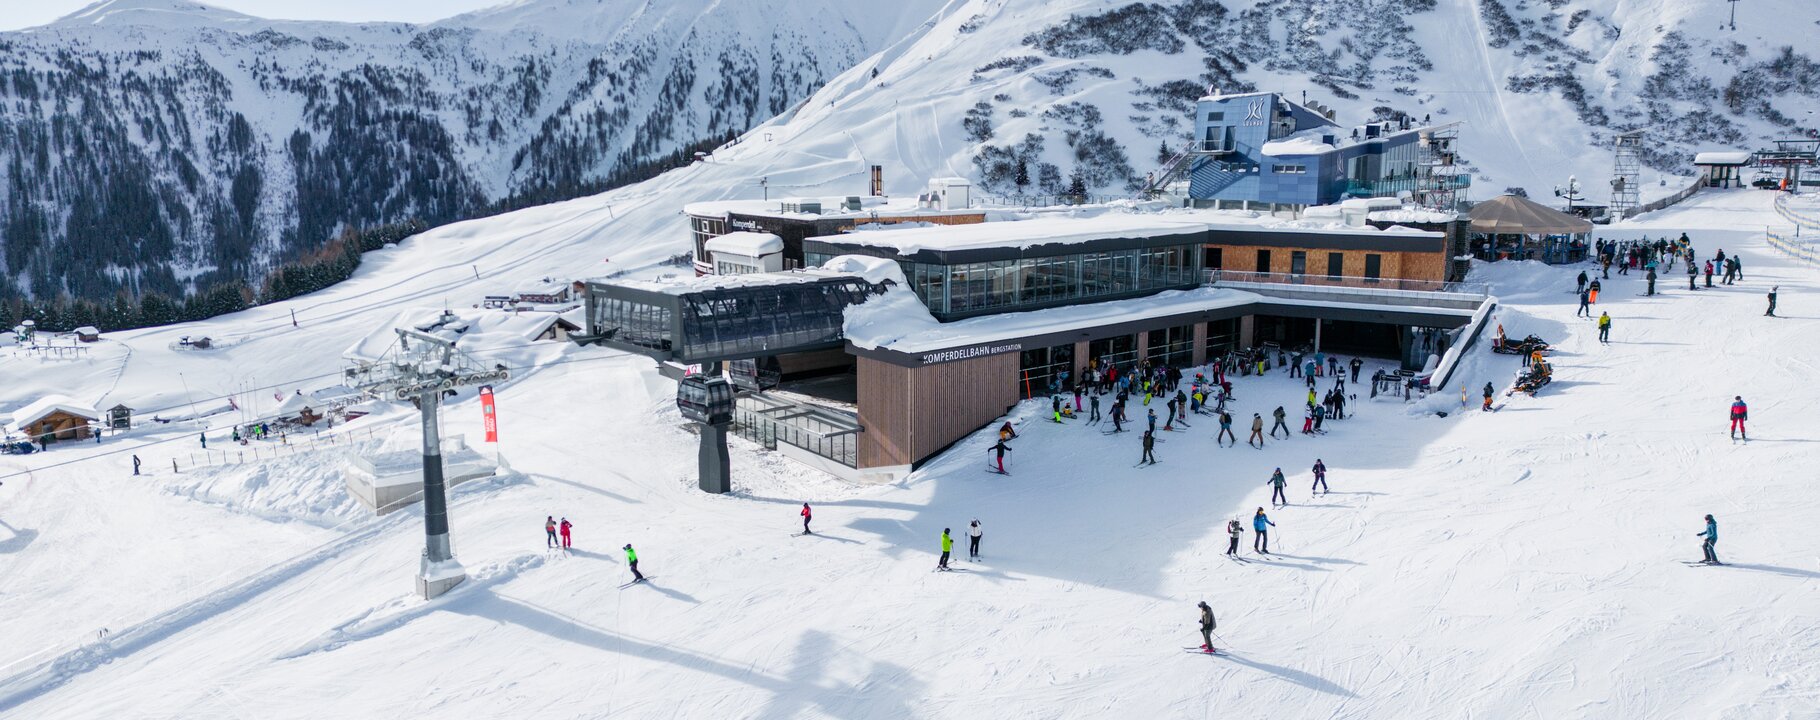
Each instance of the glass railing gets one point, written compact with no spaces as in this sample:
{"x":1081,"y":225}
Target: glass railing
{"x":1391,"y":186}
{"x":1230,"y":277}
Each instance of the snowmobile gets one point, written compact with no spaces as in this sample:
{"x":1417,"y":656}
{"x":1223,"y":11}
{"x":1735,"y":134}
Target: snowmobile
{"x":1538,"y":374}
{"x":1521,"y":347}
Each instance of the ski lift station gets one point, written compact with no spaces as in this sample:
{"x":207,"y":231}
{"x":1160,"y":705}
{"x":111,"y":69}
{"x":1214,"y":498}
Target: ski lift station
{"x":891,"y":341}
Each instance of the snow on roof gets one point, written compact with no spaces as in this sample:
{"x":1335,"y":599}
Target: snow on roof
{"x":747,"y":244}
{"x":705,"y":283}
{"x":1418,"y":215}
{"x":293,"y":405}
{"x":1015,"y":233}
{"x":949,"y":181}
{"x":899,"y":321}
{"x":47,"y":405}
{"x":832,"y":208}
{"x":1721,"y":157}
{"x":1306,"y":142}
{"x":87,"y":330}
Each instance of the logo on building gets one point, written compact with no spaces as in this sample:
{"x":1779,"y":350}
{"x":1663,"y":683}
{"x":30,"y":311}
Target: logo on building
{"x":1254,"y":113}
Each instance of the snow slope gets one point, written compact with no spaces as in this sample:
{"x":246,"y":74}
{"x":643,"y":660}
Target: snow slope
{"x":1482,"y":565}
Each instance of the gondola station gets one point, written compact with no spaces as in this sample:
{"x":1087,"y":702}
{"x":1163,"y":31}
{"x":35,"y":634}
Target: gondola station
{"x":887,"y":323}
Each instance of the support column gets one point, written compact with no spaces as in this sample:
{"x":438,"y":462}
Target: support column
{"x":1143,"y":345}
{"x":1080,"y":359}
{"x":1248,"y":331}
{"x":438,"y":571}
{"x":1317,"y":334}
{"x":1199,"y":356}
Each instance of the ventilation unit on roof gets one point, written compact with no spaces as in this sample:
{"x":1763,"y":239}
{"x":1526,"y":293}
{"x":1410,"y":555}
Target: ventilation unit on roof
{"x":812,"y":207}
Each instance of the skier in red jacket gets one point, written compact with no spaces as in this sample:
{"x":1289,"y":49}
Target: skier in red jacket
{"x":565,"y":533}
{"x":806,"y":516}
{"x":1740,"y":413}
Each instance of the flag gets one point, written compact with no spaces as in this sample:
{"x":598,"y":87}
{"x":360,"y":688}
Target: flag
{"x":487,"y":418}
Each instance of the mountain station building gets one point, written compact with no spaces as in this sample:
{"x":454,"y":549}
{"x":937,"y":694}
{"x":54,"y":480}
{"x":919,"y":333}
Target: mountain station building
{"x":897,"y":342}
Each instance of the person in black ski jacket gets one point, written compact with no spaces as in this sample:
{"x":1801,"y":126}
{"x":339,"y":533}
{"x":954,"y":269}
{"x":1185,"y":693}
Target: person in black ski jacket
{"x":1488,"y":393}
{"x":1357,"y":364}
{"x":1279,"y":415}
{"x":1276,"y":484}
{"x":1320,"y":477}
{"x":1585,"y":305}
{"x":1149,"y":445}
{"x":1580,"y":283}
{"x":1000,"y":449}
{"x":1771,"y":312}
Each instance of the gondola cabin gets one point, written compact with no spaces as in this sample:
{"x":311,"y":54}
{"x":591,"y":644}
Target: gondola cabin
{"x":705,"y":400}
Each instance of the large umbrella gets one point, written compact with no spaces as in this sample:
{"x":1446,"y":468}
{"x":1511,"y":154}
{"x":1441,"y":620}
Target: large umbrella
{"x":1513,"y":215}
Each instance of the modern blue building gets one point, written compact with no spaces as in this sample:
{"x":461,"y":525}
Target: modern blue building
{"x":1261,"y":151}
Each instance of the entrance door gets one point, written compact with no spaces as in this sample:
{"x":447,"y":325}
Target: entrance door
{"x":1263,"y":261}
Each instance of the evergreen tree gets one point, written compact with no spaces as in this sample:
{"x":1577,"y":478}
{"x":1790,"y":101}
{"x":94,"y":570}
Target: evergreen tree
{"x":1077,"y":186}
{"x":1022,"y":178}
{"x":1163,"y":154}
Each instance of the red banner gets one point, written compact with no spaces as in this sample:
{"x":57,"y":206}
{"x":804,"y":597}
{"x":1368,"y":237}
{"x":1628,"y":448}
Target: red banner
{"x":487,"y":417}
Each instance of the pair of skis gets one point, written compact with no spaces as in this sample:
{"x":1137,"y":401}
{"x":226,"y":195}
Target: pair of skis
{"x":635,"y":582}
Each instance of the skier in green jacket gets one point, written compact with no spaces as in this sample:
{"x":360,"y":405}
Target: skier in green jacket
{"x":947,"y":547}
{"x":632,"y":561}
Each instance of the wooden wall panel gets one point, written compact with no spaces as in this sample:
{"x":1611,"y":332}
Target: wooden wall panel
{"x":950,"y":400}
{"x":884,"y":412}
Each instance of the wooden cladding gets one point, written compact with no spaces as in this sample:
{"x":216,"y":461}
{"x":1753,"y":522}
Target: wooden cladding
{"x":912,"y":413}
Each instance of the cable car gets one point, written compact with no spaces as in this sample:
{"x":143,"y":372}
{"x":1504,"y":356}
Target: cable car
{"x":756,"y":374}
{"x":705,"y":399}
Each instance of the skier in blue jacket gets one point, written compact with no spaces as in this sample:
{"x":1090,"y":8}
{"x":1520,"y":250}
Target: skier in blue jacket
{"x":1712,"y":536}
{"x":1260,"y":523}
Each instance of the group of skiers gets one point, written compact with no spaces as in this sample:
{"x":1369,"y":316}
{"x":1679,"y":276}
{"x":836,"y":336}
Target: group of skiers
{"x":973,"y":544}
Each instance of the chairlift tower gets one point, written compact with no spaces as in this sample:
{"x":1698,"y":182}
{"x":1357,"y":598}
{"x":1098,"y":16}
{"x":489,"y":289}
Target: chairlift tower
{"x":1626,"y":173}
{"x":428,"y":365}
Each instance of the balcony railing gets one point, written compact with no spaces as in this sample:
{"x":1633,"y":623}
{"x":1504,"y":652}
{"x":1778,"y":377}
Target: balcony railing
{"x":1218,"y":277}
{"x":1391,"y":186}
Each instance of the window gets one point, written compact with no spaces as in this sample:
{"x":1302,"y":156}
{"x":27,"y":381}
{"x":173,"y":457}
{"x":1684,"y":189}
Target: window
{"x":1263,"y":261}
{"x":1290,"y":169}
{"x":1336,"y":264}
{"x":1212,"y":258}
{"x":1119,"y":350}
{"x":1222,"y":336}
{"x":1373,"y":265}
{"x":1171,"y":345}
{"x":1046,"y":370}
{"x":723,"y":267}
{"x":1216,"y":116}
{"x":1298,"y":262}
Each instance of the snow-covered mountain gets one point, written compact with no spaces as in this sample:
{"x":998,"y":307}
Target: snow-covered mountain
{"x":164,"y":145}
{"x":159,"y":145}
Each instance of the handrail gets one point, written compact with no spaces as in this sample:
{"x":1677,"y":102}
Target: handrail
{"x":1216,"y":276}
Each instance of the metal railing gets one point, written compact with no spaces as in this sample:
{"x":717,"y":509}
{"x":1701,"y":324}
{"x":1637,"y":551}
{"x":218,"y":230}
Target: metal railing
{"x":769,"y":420}
{"x":1215,"y":276}
{"x":1411,"y":183}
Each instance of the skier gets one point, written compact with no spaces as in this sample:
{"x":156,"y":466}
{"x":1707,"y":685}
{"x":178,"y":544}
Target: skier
{"x":1488,"y":392}
{"x":973,"y":540}
{"x":1585,"y":305}
{"x":565,"y":532}
{"x":1692,"y":273}
{"x":1233,"y":531}
{"x":204,"y":439}
{"x":1771,"y":312}
{"x":1149,"y":444}
{"x":1605,"y":327}
{"x":1279,"y":415}
{"x":1207,"y":626}
{"x":1320,"y":415}
{"x":1320,"y":477}
{"x":1261,"y":524}
{"x":1150,"y":414}
{"x":1276,"y":484}
{"x":808,"y":515}
{"x":1651,"y":277}
{"x":947,"y":547}
{"x":1740,"y":413}
{"x":1712,"y":537}
{"x":1592,"y":291}
{"x":1339,"y":405}
{"x":1225,"y":430}
{"x":1709,"y":273}
{"x":1257,"y":430}
{"x":1000,"y":449}
{"x":632,"y":562}
{"x":549,"y":531}
{"x":1094,"y":403}
{"x":1356,"y":365}
{"x":135,"y":464}
{"x":1005,"y":432}
{"x":1308,"y":419}
{"x":1580,"y":283}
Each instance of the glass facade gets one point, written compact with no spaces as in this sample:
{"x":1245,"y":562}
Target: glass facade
{"x":758,"y":320}
{"x":1222,"y":337}
{"x":1046,"y":370}
{"x":1171,"y":346}
{"x":701,"y":229}
{"x":1120,"y":350}
{"x":635,"y":323}
{"x":1004,"y":285}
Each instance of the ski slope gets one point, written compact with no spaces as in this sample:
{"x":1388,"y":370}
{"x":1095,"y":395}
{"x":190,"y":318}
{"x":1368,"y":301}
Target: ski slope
{"x":1479,"y":565}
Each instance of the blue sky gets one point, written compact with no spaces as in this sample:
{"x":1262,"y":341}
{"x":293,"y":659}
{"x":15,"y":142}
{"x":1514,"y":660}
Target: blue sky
{"x":15,"y":14}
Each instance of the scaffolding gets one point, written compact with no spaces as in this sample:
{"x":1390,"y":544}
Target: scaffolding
{"x":1626,"y":173}
{"x":1438,"y":178}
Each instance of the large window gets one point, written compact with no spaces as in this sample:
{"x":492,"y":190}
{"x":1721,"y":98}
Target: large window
{"x":1373,"y":265}
{"x":701,"y":230}
{"x":1048,"y":279}
{"x":1263,"y":261}
{"x":634,"y":323}
{"x":1213,"y":258}
{"x":1222,"y":336}
{"x":982,"y":286}
{"x":1171,"y":346}
{"x":1166,"y":266}
{"x":1336,"y":264}
{"x":970,"y":288}
{"x":759,"y":320}
{"x":1047,"y":370}
{"x":1298,"y":262}
{"x":1119,"y":350}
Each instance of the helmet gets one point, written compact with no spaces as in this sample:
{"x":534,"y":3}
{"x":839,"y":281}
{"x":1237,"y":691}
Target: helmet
{"x":628,"y":546}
